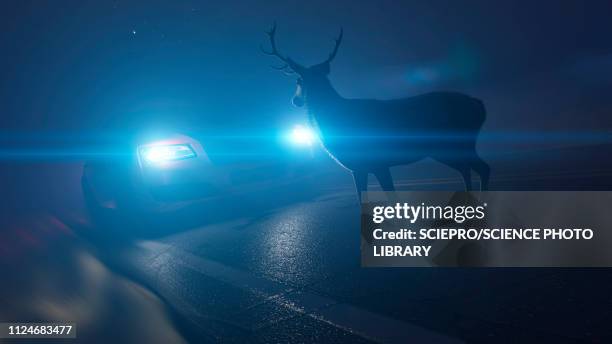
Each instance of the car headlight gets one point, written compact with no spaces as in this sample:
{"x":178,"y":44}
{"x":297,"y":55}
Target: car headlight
{"x":162,"y":153}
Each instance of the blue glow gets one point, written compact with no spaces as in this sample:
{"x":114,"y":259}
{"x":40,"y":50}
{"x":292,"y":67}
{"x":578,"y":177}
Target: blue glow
{"x":163,"y":153}
{"x":302,"y":136}
{"x":249,"y":143}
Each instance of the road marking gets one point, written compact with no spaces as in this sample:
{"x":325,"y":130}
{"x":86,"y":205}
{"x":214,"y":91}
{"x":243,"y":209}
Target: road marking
{"x":349,"y":318}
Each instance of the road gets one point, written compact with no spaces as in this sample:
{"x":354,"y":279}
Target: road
{"x":294,"y":276}
{"x":284,"y":272}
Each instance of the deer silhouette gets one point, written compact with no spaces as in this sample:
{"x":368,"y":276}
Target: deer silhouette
{"x":370,"y":135}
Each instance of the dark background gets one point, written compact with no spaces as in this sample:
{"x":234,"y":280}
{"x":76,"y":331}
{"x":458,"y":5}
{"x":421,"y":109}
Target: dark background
{"x":112,"y":65}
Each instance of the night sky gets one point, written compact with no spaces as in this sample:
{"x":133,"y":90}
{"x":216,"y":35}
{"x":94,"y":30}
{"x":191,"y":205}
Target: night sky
{"x":114,"y":65}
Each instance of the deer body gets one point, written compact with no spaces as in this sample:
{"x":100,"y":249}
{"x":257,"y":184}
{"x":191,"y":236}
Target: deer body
{"x":370,"y":135}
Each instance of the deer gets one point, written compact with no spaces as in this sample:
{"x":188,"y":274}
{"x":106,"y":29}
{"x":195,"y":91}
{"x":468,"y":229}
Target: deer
{"x":371,"y":135}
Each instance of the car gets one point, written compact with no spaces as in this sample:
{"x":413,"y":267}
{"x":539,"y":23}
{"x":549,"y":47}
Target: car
{"x":176,"y":178}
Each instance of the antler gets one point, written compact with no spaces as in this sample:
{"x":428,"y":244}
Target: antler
{"x":285,"y":68}
{"x":289,"y":66}
{"x":338,"y":41}
{"x":274,"y":52}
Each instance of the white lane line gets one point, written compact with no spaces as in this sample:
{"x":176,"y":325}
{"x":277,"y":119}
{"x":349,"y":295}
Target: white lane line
{"x":344,"y":316}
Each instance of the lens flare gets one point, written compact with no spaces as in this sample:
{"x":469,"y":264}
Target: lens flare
{"x":163,"y":153}
{"x":302,"y":136}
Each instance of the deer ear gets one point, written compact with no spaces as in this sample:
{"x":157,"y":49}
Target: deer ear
{"x":296,"y":67}
{"x":321,"y":68}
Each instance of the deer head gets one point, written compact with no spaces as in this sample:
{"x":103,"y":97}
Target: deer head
{"x":309,"y":79}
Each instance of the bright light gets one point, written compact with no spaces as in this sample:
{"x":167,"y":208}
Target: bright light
{"x":157,"y":154}
{"x":302,"y":136}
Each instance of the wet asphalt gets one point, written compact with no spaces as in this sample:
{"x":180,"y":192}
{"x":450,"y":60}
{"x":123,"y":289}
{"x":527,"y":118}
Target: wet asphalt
{"x":284,"y":271}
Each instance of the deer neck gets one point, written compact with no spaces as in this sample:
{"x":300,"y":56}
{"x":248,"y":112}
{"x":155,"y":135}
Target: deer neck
{"x":322,"y":99}
{"x":324,"y":107}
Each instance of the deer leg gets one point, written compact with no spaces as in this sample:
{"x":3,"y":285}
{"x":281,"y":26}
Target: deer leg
{"x":483,"y":170}
{"x":465,"y":171}
{"x":361,"y":182}
{"x":466,"y":174}
{"x":384,"y":178}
